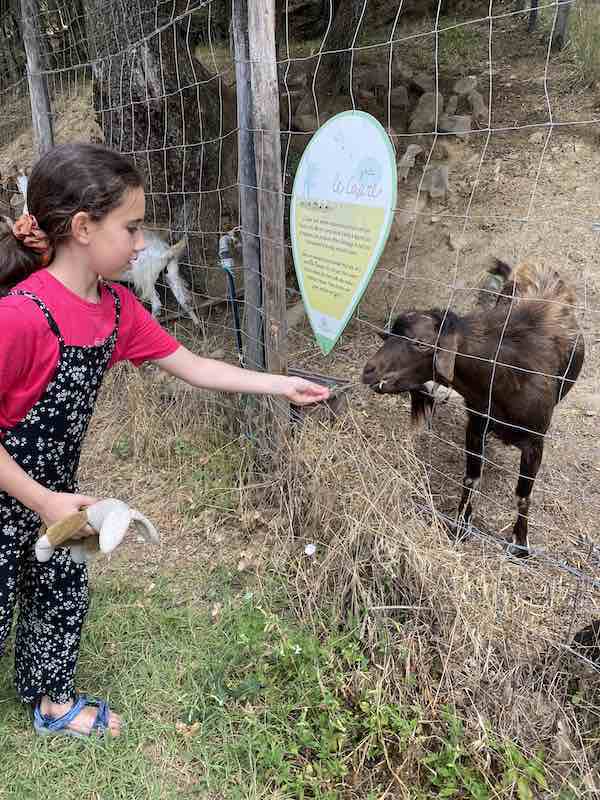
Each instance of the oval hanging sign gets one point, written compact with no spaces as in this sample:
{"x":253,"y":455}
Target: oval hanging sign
{"x":342,"y":208}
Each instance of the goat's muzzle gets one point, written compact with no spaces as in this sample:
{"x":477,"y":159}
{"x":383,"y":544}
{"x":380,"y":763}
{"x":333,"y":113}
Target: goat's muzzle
{"x":374,"y":380}
{"x":383,"y":383}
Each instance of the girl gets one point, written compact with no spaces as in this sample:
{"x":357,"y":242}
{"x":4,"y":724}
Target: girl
{"x":63,"y":323}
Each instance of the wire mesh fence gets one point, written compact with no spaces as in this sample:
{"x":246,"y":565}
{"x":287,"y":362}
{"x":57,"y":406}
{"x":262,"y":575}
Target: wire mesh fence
{"x":497,"y":156}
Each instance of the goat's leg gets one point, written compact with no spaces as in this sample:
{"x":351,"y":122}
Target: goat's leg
{"x":180,"y":290}
{"x":474,"y":442}
{"x":531,"y":458}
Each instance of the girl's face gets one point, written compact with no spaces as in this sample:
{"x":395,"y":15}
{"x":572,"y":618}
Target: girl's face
{"x":117,"y":239}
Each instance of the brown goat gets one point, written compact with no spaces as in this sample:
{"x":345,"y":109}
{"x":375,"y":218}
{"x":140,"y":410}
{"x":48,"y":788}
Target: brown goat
{"x":511,"y":364}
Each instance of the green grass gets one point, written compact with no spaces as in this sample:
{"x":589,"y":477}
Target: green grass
{"x":583,"y":38}
{"x":217,"y":474}
{"x":237,"y":700}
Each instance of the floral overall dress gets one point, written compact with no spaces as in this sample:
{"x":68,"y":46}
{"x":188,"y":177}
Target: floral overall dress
{"x":52,"y":597}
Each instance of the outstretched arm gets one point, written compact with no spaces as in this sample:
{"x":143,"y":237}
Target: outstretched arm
{"x":206,"y":373}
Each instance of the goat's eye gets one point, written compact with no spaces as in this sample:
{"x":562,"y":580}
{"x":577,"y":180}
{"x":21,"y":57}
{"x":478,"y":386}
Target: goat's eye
{"x":421,"y":345}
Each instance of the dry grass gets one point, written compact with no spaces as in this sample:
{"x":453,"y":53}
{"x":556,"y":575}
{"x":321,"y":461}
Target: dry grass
{"x":176,"y":454}
{"x":457,"y":626}
{"x":74,"y":121}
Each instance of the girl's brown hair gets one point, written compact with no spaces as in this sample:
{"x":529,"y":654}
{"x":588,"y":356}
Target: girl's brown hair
{"x":69,"y":178}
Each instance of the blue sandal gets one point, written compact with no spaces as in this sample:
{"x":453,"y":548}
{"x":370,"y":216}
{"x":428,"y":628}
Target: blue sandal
{"x":58,"y":726}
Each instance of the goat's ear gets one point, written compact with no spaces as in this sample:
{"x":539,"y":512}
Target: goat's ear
{"x":444,"y":358}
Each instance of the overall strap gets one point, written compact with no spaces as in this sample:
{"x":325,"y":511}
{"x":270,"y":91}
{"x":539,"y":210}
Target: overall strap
{"x":44,"y":309}
{"x":117,"y":300}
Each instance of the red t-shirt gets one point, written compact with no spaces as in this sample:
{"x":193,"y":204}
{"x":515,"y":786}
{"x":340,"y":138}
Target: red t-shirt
{"x":29,"y":349}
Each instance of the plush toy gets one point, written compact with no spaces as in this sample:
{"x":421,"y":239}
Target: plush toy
{"x":110,"y":518}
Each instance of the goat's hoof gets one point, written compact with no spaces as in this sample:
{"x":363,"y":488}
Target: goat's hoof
{"x":518,"y":551}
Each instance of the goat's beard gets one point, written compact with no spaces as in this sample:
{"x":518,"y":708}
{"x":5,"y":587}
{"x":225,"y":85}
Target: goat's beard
{"x":421,"y":408}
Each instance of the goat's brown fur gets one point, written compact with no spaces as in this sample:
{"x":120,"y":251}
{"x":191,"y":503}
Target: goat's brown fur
{"x":512,"y":365}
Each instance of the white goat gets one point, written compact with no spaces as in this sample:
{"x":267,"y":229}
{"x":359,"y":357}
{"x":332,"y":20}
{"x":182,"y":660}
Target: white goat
{"x":143,"y":273}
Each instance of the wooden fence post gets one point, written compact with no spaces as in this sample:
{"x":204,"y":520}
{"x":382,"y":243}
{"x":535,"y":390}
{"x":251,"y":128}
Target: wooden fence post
{"x":267,"y":149}
{"x":43,"y":137}
{"x":253,"y":328}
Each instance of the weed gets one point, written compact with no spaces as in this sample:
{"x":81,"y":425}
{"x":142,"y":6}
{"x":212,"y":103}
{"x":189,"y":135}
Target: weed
{"x":584,"y":37}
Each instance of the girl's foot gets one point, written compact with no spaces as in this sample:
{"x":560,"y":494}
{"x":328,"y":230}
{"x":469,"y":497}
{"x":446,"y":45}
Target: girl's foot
{"x":84,"y":721}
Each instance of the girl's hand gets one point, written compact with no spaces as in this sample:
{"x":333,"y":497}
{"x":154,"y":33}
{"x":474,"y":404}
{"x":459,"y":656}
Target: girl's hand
{"x":302,"y":392}
{"x":59,"y":505}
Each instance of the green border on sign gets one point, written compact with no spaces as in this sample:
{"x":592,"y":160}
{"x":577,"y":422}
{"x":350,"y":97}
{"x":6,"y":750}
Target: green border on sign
{"x":325,"y":343}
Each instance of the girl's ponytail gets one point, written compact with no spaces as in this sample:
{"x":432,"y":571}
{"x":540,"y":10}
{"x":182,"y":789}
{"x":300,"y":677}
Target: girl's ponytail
{"x":17,"y":261}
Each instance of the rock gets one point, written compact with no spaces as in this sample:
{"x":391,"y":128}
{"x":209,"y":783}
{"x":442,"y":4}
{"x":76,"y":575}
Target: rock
{"x":465,"y":85}
{"x":452,"y":104}
{"x":401,"y":70}
{"x":456,"y":241}
{"x":461,"y":125}
{"x":424,"y":81}
{"x":366,"y":96}
{"x":448,"y":149}
{"x":424,"y":115}
{"x":295,"y":315}
{"x":288,"y":102}
{"x":307,"y":104}
{"x":399,"y":97}
{"x":408,"y":215}
{"x":537,"y":137}
{"x":294,"y":79}
{"x":292,"y":95}
{"x":219,"y":353}
{"x":589,"y":403}
{"x":407,"y":161}
{"x":377,"y":80}
{"x":305,"y":118}
{"x":478,"y":106}
{"x":305,"y":123}
{"x":435,"y":181}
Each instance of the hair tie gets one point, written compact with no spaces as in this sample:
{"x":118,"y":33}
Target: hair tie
{"x":27,"y":230}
